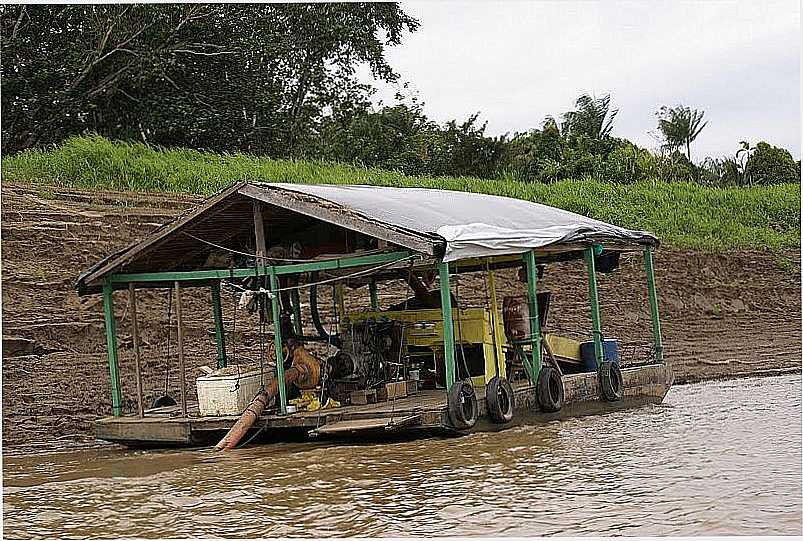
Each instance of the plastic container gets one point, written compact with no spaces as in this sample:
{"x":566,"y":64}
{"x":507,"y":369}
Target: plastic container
{"x":219,"y":393}
{"x":610,"y":352}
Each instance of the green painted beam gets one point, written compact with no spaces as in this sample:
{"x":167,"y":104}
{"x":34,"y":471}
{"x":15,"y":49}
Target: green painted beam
{"x":374,"y":295}
{"x":220,"y":335}
{"x":277,"y":339}
{"x":596,"y":325}
{"x":535,"y":322}
{"x":111,"y":348}
{"x":653,"y":294}
{"x":182,"y":276}
{"x":448,"y":325}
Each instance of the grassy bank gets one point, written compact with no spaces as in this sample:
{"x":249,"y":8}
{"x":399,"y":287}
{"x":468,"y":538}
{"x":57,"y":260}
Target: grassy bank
{"x":681,"y":214}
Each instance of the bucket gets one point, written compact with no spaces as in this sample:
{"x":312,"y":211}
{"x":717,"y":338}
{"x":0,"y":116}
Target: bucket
{"x":610,"y":352}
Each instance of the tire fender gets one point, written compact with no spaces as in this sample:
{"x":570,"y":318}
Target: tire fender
{"x":550,"y":390}
{"x":500,"y":400}
{"x":610,"y":381}
{"x":462,"y":406}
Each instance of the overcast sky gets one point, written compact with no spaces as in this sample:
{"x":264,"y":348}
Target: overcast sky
{"x":517,"y":61}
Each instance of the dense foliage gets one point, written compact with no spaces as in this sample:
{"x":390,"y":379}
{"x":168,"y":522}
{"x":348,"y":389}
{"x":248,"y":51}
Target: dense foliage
{"x":685,"y":215}
{"x":279,"y":80}
{"x":228,"y":77}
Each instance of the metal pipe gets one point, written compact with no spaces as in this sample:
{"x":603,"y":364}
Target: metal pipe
{"x":448,"y":325}
{"x":253,"y":411}
{"x":535,"y":322}
{"x":111,"y":347}
{"x":305,"y":373}
{"x":132,"y":293}
{"x":182,"y":378}
{"x":653,"y":294}
{"x":594,"y":297}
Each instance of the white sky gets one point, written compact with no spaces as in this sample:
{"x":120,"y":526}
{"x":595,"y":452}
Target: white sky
{"x":517,"y":61}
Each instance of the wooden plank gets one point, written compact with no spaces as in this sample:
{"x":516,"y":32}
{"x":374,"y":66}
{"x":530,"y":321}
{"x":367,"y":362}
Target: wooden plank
{"x":327,"y":211}
{"x":365,"y":425}
{"x":133,"y":250}
{"x":180,"y":346}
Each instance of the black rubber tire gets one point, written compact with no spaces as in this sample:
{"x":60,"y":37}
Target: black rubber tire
{"x":550,"y":390}
{"x":462,"y":404}
{"x":163,"y":401}
{"x":500,"y":400}
{"x":610,"y":381}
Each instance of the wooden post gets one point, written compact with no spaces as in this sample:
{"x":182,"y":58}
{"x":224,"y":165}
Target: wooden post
{"x":535,"y":321}
{"x":448,"y":325}
{"x":111,"y":348}
{"x":180,"y":346}
{"x":259,"y":235}
{"x":374,"y":295}
{"x":220,"y":336}
{"x":132,"y":294}
{"x":594,"y":298}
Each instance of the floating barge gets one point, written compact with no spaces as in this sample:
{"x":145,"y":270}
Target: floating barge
{"x":426,"y":365}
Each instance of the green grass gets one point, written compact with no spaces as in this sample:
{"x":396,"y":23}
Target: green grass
{"x":683,"y":215}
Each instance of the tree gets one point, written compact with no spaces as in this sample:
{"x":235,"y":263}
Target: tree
{"x":772,"y":165}
{"x":224,"y":77}
{"x":592,"y":118}
{"x":680,"y":126}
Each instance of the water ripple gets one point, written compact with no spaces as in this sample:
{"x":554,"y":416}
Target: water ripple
{"x":714,"y":459}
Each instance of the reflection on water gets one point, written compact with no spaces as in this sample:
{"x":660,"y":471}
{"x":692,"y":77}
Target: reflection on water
{"x":717,"y":458}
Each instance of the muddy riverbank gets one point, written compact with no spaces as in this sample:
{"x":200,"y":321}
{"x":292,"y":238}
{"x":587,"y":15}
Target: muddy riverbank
{"x":724,"y":315}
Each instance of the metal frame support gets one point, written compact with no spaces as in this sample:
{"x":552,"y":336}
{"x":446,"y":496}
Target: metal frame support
{"x":535,"y":322}
{"x":220,"y":335}
{"x":594,"y":298}
{"x":653,"y":294}
{"x":448,"y":325}
{"x":374,"y":295}
{"x":111,"y":347}
{"x":277,"y":339}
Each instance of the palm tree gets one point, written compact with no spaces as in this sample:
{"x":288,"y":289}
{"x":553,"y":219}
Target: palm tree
{"x":680,"y":126}
{"x":593,"y":117}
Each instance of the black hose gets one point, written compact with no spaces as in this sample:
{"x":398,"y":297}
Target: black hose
{"x":316,"y":317}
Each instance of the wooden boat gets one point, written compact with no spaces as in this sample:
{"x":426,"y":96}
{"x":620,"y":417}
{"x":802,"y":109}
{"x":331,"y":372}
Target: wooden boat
{"x":514,"y":372}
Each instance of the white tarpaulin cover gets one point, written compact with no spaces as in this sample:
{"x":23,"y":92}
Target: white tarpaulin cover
{"x":473,"y":225}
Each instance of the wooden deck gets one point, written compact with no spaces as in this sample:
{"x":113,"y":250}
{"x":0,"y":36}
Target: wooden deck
{"x":425,"y":411}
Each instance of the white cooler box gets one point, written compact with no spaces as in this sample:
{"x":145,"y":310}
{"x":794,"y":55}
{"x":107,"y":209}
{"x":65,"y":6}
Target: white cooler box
{"x":218,"y":393}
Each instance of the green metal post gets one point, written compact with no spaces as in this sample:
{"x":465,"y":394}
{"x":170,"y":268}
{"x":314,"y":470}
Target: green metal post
{"x":656,"y":320}
{"x":111,"y":348}
{"x":277,"y":338}
{"x":220,"y":336}
{"x":448,"y":325}
{"x":535,"y":323}
{"x":592,"y":293}
{"x":374,"y":295}
{"x":295,"y":300}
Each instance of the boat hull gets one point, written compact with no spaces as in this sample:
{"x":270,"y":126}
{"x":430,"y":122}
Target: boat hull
{"x":423,"y":414}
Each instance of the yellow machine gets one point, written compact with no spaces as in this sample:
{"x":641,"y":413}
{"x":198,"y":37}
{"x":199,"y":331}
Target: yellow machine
{"x":472,"y":327}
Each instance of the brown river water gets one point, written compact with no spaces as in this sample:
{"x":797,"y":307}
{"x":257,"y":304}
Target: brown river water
{"x":714,"y":458}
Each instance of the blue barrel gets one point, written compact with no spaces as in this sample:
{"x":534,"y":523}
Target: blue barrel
{"x":610,"y":352}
